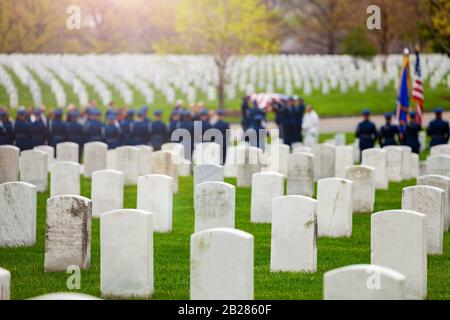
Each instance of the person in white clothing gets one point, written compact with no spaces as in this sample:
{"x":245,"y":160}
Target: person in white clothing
{"x":311,"y":127}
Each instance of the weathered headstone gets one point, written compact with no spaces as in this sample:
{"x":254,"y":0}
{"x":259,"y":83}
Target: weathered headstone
{"x":17,"y":214}
{"x":68,"y":152}
{"x":34,"y":169}
{"x":415,"y":166}
{"x":65,"y":179}
{"x":145,"y":160}
{"x":324,"y":161}
{"x":335,"y":207}
{"x":127,"y":162}
{"x":207,"y":153}
{"x":377,"y":159}
{"x":95,"y":154}
{"x":407,"y":152}
{"x":163,"y":163}
{"x":107,"y":191}
{"x":249,"y":163}
{"x":394,"y":163}
{"x":50,"y":151}
{"x":443,"y":183}
{"x":363,"y":188}
{"x":68,"y":233}
{"x":177,"y":148}
{"x":266,"y":186}
{"x":230,"y":168}
{"x":364,"y":282}
{"x":439,"y":165}
{"x":398,"y":242}
{"x":300,"y":178}
{"x":5,"y":285}
{"x":208,"y":173}
{"x":184,"y":168}
{"x":279,"y":156}
{"x":214,"y":205}
{"x":294,"y":234}
{"x":429,"y":201}
{"x":155,"y":195}
{"x":221,"y":265}
{"x":440,"y":150}
{"x":9,"y":163}
{"x":344,"y":159}
{"x":423,"y":168}
{"x":111,"y":160}
{"x":126,"y":254}
{"x":303,"y":149}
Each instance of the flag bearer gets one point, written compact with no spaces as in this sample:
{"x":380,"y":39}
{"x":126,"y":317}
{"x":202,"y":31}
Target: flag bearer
{"x":412,"y":131}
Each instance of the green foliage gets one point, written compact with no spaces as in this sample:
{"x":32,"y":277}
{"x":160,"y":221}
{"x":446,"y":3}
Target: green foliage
{"x":358,"y":44}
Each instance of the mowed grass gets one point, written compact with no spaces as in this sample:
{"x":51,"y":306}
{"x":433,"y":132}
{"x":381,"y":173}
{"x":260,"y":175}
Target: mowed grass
{"x":171,"y":253}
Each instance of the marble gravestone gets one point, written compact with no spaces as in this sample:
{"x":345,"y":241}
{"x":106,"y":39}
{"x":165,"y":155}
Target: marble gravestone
{"x":111,"y":160}
{"x":364,"y":282}
{"x":439,"y":165}
{"x":443,"y":183}
{"x":266,"y":186}
{"x":214,"y":205}
{"x":279,"y":156}
{"x":107,"y":191}
{"x":176,"y":148}
{"x":294,"y":234}
{"x":68,"y":152}
{"x":377,"y":159}
{"x":363,"y":178}
{"x":398,"y":242}
{"x":208,"y":153}
{"x":249,"y":163}
{"x":155,"y":195}
{"x":324,"y":161}
{"x":415,"y":166}
{"x":335,"y":208}
{"x":9,"y":163}
{"x":50,"y":151}
{"x":65,"y":179}
{"x":394,"y":163}
{"x":208,"y":173}
{"x":95,"y":154}
{"x":127,"y":162}
{"x":429,"y":201}
{"x":164,"y":163}
{"x":344,"y":159}
{"x":440,"y":150}
{"x":221,"y":265}
{"x":64,"y":296}
{"x":18,"y":204}
{"x":5,"y":285}
{"x":300,"y":178}
{"x":407,"y":152}
{"x":230,"y":168}
{"x":34,"y":169}
{"x":68,"y":233}
{"x":145,"y":160}
{"x":126,"y":254}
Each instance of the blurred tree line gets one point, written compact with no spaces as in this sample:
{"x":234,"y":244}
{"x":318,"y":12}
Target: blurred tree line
{"x":305,"y":26}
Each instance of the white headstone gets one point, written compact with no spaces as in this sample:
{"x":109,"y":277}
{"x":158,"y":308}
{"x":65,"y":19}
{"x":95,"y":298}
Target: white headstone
{"x":415,"y":165}
{"x":407,"y":152}
{"x":65,"y":179}
{"x":398,"y":242}
{"x":394,"y":163}
{"x":9,"y":163}
{"x":184,"y":168}
{"x":208,"y":173}
{"x":68,"y":152}
{"x":145,"y":160}
{"x":68,"y":233}
{"x":155,"y":195}
{"x":279,"y":156}
{"x":111,"y":160}
{"x":249,"y":163}
{"x":176,"y":148}
{"x":440,"y":150}
{"x":95,"y":154}
{"x":126,"y":254}
{"x":294,"y":234}
{"x":214,"y":205}
{"x":65,"y":296}
{"x":163,"y":163}
{"x":17,"y":214}
{"x":107,"y":191}
{"x":377,"y":159}
{"x":364,"y":282}
{"x":221,"y":265}
{"x":34,"y":169}
{"x":335,"y":208}
{"x":429,"y":201}
{"x":266,"y":186}
{"x":208,"y":153}
{"x":50,"y":151}
{"x":230,"y":168}
{"x":439,"y":165}
{"x":344,"y":159}
{"x":127,"y":162}
{"x":363,"y":188}
{"x":300,"y":178}
{"x":324,"y":161}
{"x":5,"y":285}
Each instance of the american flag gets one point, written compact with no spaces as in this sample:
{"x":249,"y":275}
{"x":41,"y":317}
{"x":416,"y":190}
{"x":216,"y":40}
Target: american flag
{"x":418,"y":92}
{"x":263,"y":100}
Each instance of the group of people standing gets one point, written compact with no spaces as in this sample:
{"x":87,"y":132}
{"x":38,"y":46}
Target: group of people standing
{"x":407,"y":134}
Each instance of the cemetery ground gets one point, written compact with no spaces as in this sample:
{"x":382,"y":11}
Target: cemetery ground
{"x":171,"y":253}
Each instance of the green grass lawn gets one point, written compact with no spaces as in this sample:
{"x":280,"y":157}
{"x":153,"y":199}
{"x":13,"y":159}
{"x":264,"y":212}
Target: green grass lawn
{"x":333,"y":104}
{"x":171,"y":253}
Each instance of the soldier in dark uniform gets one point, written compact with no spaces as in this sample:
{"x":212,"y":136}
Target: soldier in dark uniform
{"x":438,"y":130}
{"x":140,"y":131}
{"x":204,"y":118}
{"x":126,"y":126}
{"x":412,"y":131}
{"x":299,"y":112}
{"x":93,"y":128}
{"x":39,"y":132}
{"x":257,"y":126}
{"x":112,"y":132}
{"x":366,"y":132}
{"x":389,"y":133}
{"x":159,"y":132}
{"x":22,"y":129}
{"x":6,"y":129}
{"x":74,"y":128}
{"x":175,"y":122}
{"x":187,"y":124}
{"x":222,"y":126}
{"x":245,"y":106}
{"x":57,"y":129}
{"x":281,"y":118}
